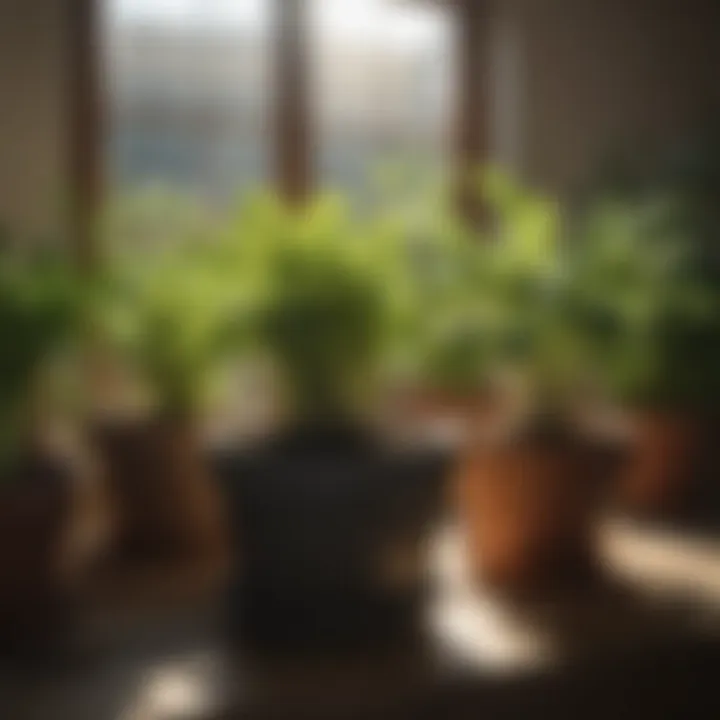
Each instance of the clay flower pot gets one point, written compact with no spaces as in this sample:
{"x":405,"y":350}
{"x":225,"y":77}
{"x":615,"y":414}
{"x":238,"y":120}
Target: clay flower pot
{"x":665,"y":457}
{"x":164,"y":499}
{"x":529,"y":503}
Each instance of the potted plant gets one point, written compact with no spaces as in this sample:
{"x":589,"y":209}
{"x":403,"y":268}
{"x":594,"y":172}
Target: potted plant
{"x":328,"y":516}
{"x":441,"y":384}
{"x":531,"y":486}
{"x":451,"y":345}
{"x":38,"y":312}
{"x":650,"y":301}
{"x":167,"y":317}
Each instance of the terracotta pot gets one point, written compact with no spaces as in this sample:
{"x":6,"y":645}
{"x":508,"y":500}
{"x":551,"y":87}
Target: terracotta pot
{"x":667,"y":450}
{"x":35,"y":508}
{"x":165,"y":500}
{"x":529,"y":506}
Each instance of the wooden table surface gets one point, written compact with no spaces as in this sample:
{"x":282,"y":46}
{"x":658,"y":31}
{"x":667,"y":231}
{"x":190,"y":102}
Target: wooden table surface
{"x":170,"y":662}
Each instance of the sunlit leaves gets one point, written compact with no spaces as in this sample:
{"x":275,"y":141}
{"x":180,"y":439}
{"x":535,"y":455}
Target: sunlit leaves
{"x":651,"y":322}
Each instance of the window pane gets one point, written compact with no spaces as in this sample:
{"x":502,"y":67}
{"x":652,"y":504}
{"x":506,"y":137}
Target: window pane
{"x":383,"y":82}
{"x":188,"y":93}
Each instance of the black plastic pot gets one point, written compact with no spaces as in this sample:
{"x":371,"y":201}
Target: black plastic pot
{"x":321,"y":518}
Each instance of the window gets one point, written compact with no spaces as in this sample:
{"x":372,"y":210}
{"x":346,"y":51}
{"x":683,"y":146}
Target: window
{"x":189,"y":86}
{"x":382,"y":80}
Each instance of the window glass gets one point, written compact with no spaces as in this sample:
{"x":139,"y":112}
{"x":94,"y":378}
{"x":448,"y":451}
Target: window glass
{"x":382,"y":82}
{"x":188,"y":86}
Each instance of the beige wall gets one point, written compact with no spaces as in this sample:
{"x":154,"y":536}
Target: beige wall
{"x":594,"y":75}
{"x":32,"y":116}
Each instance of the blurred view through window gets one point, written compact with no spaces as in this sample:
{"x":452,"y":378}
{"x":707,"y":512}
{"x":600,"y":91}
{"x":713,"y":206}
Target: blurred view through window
{"x":382,"y":83}
{"x":191,"y":91}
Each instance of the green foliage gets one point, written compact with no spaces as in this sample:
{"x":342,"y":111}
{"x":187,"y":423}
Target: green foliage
{"x":486,"y":302}
{"x":325,"y":291}
{"x":688,"y":171}
{"x":336,"y":299}
{"x":647,"y":312}
{"x":39,"y":310}
{"x":525,"y":288}
{"x":648,"y":277}
{"x":168,"y":308}
{"x":446,"y":339}
{"x":442,"y":342}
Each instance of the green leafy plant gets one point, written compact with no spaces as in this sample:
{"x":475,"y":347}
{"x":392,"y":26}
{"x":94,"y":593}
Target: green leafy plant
{"x":650,"y":316}
{"x":168,"y":310}
{"x":325,"y":288}
{"x":448,"y":340}
{"x":525,"y":284}
{"x":491,"y":300}
{"x":39,"y":310}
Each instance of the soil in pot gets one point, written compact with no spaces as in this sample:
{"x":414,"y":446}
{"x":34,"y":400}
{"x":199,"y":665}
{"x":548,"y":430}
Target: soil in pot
{"x":664,"y":463}
{"x":35,"y":508}
{"x":165,"y":501}
{"x":529,"y":500}
{"x":316,"y":514}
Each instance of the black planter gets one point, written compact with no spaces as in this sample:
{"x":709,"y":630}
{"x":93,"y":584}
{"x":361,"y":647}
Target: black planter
{"x":314,"y":513}
{"x":35,"y":508}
